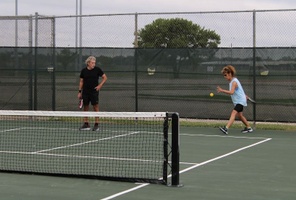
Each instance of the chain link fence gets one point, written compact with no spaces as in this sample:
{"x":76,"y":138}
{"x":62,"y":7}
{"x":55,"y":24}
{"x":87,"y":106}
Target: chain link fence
{"x":41,"y":58}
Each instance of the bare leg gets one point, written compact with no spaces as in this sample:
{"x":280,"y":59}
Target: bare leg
{"x":231,"y":119}
{"x":86,"y":108}
{"x":243,"y":119}
{"x":96,"y":109}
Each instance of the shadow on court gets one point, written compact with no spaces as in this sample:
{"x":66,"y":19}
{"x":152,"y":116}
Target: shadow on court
{"x":258,"y":165}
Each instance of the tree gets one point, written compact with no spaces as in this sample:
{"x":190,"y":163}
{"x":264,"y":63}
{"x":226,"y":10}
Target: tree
{"x":176,"y":33}
{"x":66,"y":57}
{"x":179,"y":33}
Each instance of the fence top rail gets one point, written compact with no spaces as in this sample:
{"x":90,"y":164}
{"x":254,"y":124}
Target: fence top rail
{"x":24,"y":17}
{"x":152,"y":13}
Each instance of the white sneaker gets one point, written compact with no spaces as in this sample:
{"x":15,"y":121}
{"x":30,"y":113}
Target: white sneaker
{"x":96,"y":128}
{"x":247,"y":130}
{"x":224,"y":130}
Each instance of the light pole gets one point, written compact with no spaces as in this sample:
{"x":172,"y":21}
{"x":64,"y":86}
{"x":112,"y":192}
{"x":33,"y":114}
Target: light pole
{"x":80,"y":25}
{"x":78,"y":7}
{"x":231,"y":55}
{"x":78,"y":32}
{"x":16,"y":23}
{"x":16,"y":34}
{"x":76,"y":27}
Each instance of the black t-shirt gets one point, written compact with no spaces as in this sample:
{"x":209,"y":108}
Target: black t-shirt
{"x":90,"y":78}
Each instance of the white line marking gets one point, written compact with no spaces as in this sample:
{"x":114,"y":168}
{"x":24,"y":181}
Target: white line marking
{"x":225,"y":136}
{"x":8,"y":130}
{"x":190,"y":168}
{"x":146,"y":184}
{"x":126,"y":191}
{"x":40,"y":152}
{"x":223,"y":156}
{"x":87,"y":142}
{"x":79,"y":156}
{"x":187,"y":163}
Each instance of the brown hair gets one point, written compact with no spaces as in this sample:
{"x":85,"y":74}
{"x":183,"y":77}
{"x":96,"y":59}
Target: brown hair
{"x":229,"y":69}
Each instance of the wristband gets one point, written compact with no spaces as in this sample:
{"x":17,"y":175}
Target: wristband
{"x":79,"y":91}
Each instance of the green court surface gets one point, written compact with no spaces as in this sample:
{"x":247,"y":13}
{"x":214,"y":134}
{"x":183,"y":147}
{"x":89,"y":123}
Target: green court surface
{"x":258,"y":165}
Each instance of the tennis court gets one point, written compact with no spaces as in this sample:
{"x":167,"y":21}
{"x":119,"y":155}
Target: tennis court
{"x":260,"y":165}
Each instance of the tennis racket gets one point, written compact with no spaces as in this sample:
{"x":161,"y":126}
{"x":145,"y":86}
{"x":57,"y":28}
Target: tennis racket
{"x":251,"y":100}
{"x":80,"y":105}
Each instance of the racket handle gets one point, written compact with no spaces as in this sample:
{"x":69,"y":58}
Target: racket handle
{"x":251,"y":100}
{"x":80,"y":105}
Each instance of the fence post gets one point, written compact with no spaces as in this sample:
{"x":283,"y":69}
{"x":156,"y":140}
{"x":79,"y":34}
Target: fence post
{"x":136,"y":62}
{"x":254,"y":68}
{"x":53,"y":78}
{"x":35,"y":63}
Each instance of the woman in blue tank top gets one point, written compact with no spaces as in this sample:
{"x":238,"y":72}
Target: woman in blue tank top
{"x":238,"y":98}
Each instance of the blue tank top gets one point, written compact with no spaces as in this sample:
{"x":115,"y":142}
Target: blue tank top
{"x":239,"y":96}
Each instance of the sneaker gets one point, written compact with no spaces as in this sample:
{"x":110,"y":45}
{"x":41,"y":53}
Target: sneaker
{"x":224,"y":130}
{"x":85,"y":127}
{"x":247,"y":130}
{"x":96,"y":127}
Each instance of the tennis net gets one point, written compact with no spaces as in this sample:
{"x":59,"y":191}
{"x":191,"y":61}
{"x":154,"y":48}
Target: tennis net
{"x":129,"y":146}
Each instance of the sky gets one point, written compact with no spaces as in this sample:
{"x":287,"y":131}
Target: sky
{"x":68,"y":7}
{"x":274,"y":29}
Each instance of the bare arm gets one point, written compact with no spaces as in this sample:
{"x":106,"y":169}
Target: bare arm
{"x":104,"y":79}
{"x":229,"y":92}
{"x":80,"y":88}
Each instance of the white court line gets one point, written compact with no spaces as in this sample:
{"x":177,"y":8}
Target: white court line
{"x":92,"y":157}
{"x":87,"y":142}
{"x":72,"y":145}
{"x":126,"y":191}
{"x":226,"y":136}
{"x":190,"y":168}
{"x":225,"y":155}
{"x":40,"y":152}
{"x":187,"y":163}
{"x":8,"y":130}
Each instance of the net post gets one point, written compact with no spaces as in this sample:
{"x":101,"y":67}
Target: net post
{"x":165,"y":149}
{"x":175,"y":150}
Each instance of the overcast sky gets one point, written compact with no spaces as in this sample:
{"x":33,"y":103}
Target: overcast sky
{"x":273,"y":29}
{"x":68,"y":7}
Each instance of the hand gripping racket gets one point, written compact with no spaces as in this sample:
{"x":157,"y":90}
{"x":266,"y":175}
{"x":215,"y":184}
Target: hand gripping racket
{"x":80,"y":105}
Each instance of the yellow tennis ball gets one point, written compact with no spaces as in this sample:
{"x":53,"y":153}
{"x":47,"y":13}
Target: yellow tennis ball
{"x":211,"y":94}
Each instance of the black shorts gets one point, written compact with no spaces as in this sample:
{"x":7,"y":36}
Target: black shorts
{"x":92,"y":98}
{"x":238,"y":108}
